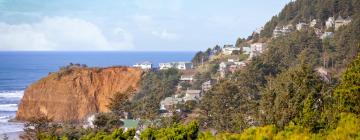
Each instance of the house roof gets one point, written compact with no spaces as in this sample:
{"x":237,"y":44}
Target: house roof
{"x":129,"y":123}
{"x":193,"y":91}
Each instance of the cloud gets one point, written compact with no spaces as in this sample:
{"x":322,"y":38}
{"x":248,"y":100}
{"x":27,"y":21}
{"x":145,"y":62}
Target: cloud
{"x":164,"y":34}
{"x":62,"y":33}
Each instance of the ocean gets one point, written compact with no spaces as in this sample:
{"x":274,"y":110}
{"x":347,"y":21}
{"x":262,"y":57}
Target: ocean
{"x":20,"y":69}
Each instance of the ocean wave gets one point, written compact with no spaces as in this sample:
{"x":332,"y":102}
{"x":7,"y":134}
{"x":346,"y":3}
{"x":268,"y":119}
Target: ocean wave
{"x":6,"y":118}
{"x":8,"y":107}
{"x":12,"y":94}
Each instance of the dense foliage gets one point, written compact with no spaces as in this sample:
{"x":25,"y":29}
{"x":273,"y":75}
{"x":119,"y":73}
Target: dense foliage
{"x":155,"y":86}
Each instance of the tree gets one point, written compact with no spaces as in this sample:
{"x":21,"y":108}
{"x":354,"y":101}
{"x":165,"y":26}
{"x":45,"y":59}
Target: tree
{"x":220,"y":104}
{"x":107,"y":122}
{"x":174,"y":132}
{"x":348,"y":91}
{"x":38,"y":128}
{"x":119,"y":103}
{"x":294,"y":95}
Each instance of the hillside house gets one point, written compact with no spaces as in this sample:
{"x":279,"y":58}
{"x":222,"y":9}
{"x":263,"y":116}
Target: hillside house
{"x":246,"y":50}
{"x":257,"y":49}
{"x":301,"y":26}
{"x":279,"y":31}
{"x":229,"y":49}
{"x":341,"y":22}
{"x":330,"y":22}
{"x":223,"y":68}
{"x":192,"y":95}
{"x":327,"y":35}
{"x":177,"y":65}
{"x":169,"y":103}
{"x":230,"y":66}
{"x":144,"y":65}
{"x":188,"y":75}
{"x":188,"y":78}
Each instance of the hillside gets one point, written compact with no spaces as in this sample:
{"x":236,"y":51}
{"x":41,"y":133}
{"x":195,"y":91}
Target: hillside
{"x":301,"y":83}
{"x":72,"y":94}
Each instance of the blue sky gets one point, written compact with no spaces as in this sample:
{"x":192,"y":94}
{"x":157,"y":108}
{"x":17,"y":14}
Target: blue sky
{"x":136,"y":25}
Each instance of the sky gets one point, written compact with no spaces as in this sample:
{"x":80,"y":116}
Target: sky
{"x":129,"y":25}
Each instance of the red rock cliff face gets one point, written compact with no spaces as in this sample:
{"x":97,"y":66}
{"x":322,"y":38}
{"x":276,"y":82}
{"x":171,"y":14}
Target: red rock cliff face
{"x":73,"y":95}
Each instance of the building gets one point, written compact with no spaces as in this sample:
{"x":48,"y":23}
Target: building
{"x":184,"y":65}
{"x":188,"y":75}
{"x":230,"y":66}
{"x":327,"y":35}
{"x":169,"y":103}
{"x":223,"y":65}
{"x":301,"y":26}
{"x":192,"y":95}
{"x":257,"y":49}
{"x":341,"y":22}
{"x":240,"y":63}
{"x":223,"y":68}
{"x":277,"y":31}
{"x":229,"y":49}
{"x":330,"y":22}
{"x":188,"y":78}
{"x":246,"y":50}
{"x":287,"y":29}
{"x":177,"y":65}
{"x":144,"y":65}
{"x":284,"y":30}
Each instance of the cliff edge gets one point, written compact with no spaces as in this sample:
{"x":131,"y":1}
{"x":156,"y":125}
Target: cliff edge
{"x":75,"y":93}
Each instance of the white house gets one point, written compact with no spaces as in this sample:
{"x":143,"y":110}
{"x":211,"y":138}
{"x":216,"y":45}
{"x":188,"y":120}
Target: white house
{"x":287,"y":29}
{"x":170,"y":103}
{"x":330,"y":22}
{"x":223,"y":66}
{"x":301,"y":26}
{"x":229,"y":49}
{"x":246,"y":50}
{"x":184,"y":65}
{"x":256,"y":49}
{"x":144,"y":65}
{"x":279,"y":31}
{"x":188,"y":78}
{"x":341,"y":22}
{"x":326,"y":35}
{"x":177,"y":65}
{"x":165,"y":65}
{"x":240,"y":63}
{"x":192,"y":95}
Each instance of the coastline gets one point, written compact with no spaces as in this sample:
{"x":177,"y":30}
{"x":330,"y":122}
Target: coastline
{"x":12,"y":135}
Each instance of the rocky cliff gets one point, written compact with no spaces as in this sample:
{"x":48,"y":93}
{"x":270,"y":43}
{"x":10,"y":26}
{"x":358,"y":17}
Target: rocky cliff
{"x":73,"y":94}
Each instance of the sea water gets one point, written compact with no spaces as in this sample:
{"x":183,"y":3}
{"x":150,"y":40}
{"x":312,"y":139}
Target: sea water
{"x":19,"y":69}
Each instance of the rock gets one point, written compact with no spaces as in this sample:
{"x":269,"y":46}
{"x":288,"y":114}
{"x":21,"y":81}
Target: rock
{"x":73,"y":94}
